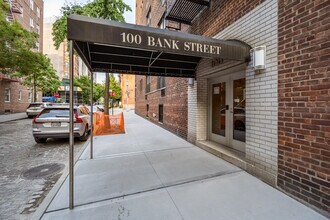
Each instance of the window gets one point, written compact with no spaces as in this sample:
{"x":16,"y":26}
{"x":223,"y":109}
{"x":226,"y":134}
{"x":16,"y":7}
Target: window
{"x":160,"y":113}
{"x":149,"y":18}
{"x":37,"y":45}
{"x":22,"y":10}
{"x":148,"y":79}
{"x":161,"y":23}
{"x":31,"y":4}
{"x":162,"y":92}
{"x":20,"y":95}
{"x":38,"y":12}
{"x":31,"y":22}
{"x":160,"y":82}
{"x":38,"y":29}
{"x":30,"y":95}
{"x":7,"y":95}
{"x":141,"y":85}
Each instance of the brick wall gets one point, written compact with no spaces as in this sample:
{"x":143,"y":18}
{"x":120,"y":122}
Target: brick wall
{"x":127,"y":80}
{"x":221,"y":14}
{"x":175,"y":103}
{"x":261,"y":88}
{"x":16,"y":104}
{"x":304,"y":100}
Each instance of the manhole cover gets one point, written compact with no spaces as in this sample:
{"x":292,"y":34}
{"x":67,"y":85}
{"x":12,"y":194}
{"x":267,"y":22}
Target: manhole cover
{"x":42,"y":171}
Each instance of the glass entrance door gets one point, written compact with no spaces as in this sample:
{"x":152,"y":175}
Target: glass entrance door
{"x":227,"y":111}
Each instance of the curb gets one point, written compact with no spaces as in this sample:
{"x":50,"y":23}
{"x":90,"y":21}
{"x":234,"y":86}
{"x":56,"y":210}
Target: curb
{"x":13,"y":119}
{"x":37,"y":215}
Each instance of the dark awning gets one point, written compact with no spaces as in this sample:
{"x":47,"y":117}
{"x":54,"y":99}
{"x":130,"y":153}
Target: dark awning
{"x":108,"y":46}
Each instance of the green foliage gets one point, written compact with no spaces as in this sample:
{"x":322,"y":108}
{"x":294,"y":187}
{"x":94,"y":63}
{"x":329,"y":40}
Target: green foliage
{"x":18,"y":59}
{"x":84,"y":83}
{"x":38,"y":71}
{"x":15,"y":43}
{"x":114,"y":86}
{"x":107,"y":9}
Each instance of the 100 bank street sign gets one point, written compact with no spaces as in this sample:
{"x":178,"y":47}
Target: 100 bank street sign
{"x":160,"y":43}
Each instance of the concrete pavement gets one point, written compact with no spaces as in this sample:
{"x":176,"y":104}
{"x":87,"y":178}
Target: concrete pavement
{"x":12,"y":117}
{"x":149,"y":173}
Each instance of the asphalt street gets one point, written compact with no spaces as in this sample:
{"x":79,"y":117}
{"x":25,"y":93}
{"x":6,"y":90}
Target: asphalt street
{"x":23,"y":189}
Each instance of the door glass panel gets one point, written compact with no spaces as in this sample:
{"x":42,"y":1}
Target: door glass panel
{"x":239,"y":109}
{"x":219,"y":108}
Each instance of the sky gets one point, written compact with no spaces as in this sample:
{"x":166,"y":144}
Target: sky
{"x":52,"y":8}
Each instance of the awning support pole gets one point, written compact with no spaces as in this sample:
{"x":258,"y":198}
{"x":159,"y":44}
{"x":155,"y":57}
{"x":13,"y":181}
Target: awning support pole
{"x":71,"y":152}
{"x":92,"y":117}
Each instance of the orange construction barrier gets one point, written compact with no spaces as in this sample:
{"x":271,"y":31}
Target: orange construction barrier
{"x":108,"y":124}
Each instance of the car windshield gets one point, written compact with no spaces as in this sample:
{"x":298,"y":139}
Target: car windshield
{"x":35,"y":105}
{"x":55,"y":113}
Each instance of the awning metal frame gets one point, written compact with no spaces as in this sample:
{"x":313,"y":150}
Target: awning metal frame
{"x":96,"y":42}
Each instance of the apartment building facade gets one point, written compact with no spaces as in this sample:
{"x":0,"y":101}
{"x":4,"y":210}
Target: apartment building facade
{"x":60,"y":61}
{"x":273,"y":122}
{"x":127,"y":85}
{"x":14,"y":96}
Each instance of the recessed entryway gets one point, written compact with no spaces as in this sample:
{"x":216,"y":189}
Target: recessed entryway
{"x":227,"y":110}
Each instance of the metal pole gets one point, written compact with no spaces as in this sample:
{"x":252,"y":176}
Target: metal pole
{"x":112,"y":105}
{"x":127,"y":92}
{"x":92,"y":117}
{"x":71,"y":164}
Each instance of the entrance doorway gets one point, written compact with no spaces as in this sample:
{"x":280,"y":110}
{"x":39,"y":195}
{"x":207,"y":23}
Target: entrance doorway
{"x":227,"y":111}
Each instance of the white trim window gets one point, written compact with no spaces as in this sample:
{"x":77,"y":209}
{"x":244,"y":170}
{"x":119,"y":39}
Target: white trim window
{"x":149,"y":17}
{"x":31,"y":4}
{"x":38,"y":29}
{"x":7,"y":94}
{"x":30,"y":96}
{"x":22,"y":10}
{"x":31,"y":22}
{"x":38,"y":12}
{"x":38,"y":46}
{"x":20,"y":95}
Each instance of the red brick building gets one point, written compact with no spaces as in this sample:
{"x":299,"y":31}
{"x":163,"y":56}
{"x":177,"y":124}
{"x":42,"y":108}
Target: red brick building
{"x":15,"y":97}
{"x":304,"y":100}
{"x":164,"y":100}
{"x":273,"y":122}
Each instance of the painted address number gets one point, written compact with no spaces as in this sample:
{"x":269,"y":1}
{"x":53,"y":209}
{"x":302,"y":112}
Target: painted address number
{"x":131,"y":38}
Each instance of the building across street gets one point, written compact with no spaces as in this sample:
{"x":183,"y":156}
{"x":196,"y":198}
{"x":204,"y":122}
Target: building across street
{"x":14,"y":96}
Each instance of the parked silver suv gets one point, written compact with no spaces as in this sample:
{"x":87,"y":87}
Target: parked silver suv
{"x":53,"y":122}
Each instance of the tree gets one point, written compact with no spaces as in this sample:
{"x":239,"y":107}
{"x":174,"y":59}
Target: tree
{"x":84,"y":83}
{"x":38,"y":74}
{"x":114,"y":86}
{"x":18,"y":59}
{"x":16,"y":43}
{"x":107,"y":9}
{"x":112,"y":10}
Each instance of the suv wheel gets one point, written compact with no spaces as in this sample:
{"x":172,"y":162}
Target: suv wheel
{"x":84,"y":137}
{"x":40,"y":140}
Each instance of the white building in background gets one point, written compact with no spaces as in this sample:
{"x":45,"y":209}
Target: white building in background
{"x":60,"y":57}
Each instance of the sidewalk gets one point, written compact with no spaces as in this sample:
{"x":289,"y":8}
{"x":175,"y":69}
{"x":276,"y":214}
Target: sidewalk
{"x":149,"y":173}
{"x":12,"y":117}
